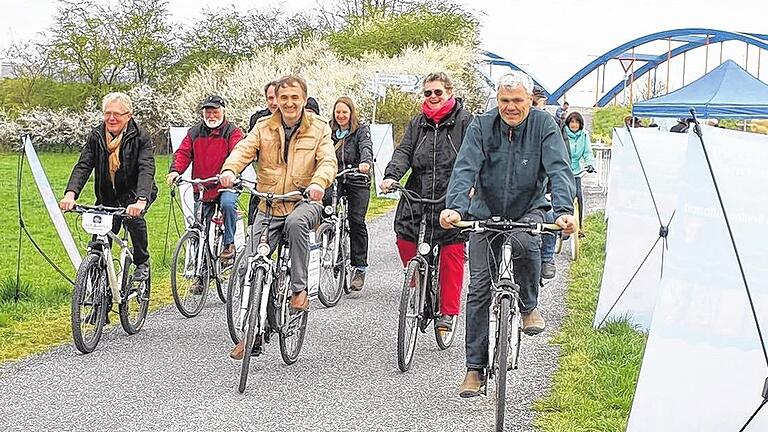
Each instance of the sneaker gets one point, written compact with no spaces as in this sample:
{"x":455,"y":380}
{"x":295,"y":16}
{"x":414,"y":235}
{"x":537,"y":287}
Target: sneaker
{"x":228,"y":253}
{"x":472,"y":384}
{"x":358,"y":279}
{"x":548,"y":270}
{"x":197,"y":287}
{"x":533,"y":322}
{"x":141,"y":273}
{"x":444,"y":323}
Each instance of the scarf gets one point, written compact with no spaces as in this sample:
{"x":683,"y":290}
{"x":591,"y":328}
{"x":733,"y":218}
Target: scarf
{"x":438,"y":114}
{"x":113,"y":148}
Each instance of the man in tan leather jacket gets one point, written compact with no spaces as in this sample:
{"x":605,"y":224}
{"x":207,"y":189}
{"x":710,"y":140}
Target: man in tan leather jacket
{"x":294,"y":150}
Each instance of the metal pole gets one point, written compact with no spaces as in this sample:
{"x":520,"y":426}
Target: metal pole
{"x":632,"y":77}
{"x":683,"y":69}
{"x":721,"y":52}
{"x":650,"y":90}
{"x":706,"y":55}
{"x":597,"y":86}
{"x":746,"y":62}
{"x":603,"y":86}
{"x":759,"y":54}
{"x":669,"y":62}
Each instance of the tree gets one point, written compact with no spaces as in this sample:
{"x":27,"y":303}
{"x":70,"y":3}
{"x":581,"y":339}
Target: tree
{"x":32,"y":64}
{"x":145,"y":39}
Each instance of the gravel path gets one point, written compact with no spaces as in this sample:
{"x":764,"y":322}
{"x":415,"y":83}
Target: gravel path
{"x":175,"y":374}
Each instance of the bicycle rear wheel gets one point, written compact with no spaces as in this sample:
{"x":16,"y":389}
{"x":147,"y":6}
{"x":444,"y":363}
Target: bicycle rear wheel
{"x":184,"y":276}
{"x":500,"y":359}
{"x":135,"y":303}
{"x":293,"y":326}
{"x":332,"y":271}
{"x":408,"y":320}
{"x":89,"y":303}
{"x":257,"y":284}
{"x":235,"y":296}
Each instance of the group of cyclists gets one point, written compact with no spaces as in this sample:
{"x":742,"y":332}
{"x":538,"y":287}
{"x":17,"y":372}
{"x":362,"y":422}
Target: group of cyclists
{"x":500,"y":163}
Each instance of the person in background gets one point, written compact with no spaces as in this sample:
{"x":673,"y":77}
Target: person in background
{"x":354,"y":149}
{"x":269,"y":95}
{"x":561,"y":112}
{"x":577,"y":139}
{"x":313,"y":106}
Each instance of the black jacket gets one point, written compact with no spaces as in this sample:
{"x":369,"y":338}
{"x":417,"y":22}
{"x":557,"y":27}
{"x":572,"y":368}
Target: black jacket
{"x":136,"y":176}
{"x":354,"y":149}
{"x":256,"y":116}
{"x":429,"y":151}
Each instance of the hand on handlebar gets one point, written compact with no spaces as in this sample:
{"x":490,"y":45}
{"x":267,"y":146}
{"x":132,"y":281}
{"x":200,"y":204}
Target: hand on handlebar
{"x":568,"y":223}
{"x":227,"y":179}
{"x":386,"y":185}
{"x":448,"y":218}
{"x":315,"y":192}
{"x":171,"y":179}
{"x":68,"y":202}
{"x":590,"y":169}
{"x":136,"y":208}
{"x":364,"y":168}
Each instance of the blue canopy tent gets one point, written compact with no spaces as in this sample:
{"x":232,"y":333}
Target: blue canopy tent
{"x":728,"y":91}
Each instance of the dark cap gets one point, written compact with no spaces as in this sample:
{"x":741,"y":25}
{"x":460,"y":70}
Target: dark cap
{"x":213,"y":102}
{"x":538,"y":92}
{"x":312,"y":105}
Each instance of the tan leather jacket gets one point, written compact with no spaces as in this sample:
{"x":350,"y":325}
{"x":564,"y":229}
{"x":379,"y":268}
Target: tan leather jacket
{"x":311,"y":157}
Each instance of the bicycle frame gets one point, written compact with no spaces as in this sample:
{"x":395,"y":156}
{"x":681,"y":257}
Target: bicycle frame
{"x":199,"y":225}
{"x":115,"y":279}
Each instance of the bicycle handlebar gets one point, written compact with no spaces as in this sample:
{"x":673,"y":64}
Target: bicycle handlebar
{"x":351,"y":172}
{"x":82,"y":208}
{"x":413,"y":196}
{"x":214,"y":179}
{"x":498,"y":224}
{"x":243,"y":184}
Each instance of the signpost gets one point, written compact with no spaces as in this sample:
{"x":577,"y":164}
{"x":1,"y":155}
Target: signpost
{"x":378,"y":87}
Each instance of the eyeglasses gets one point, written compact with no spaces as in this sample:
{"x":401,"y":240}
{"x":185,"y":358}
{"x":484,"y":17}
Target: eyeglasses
{"x":109,"y":114}
{"x":428,"y":93}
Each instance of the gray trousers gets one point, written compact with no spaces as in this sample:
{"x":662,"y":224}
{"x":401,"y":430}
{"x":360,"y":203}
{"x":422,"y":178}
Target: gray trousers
{"x":482,"y":267}
{"x":296,"y":226}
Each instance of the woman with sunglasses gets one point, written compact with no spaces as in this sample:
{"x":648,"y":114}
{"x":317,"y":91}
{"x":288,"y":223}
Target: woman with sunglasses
{"x":429,"y":147}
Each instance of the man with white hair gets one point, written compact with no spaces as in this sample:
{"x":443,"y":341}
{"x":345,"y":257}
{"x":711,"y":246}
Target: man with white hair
{"x":121,"y":154}
{"x":507,"y":156}
{"x":206,"y":146}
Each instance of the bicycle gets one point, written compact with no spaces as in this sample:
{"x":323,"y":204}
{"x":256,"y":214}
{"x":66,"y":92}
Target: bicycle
{"x":192,"y":264}
{"x":261,"y":292}
{"x":505,"y":305}
{"x":333,"y":235}
{"x":420,"y":297}
{"x":98,"y":283}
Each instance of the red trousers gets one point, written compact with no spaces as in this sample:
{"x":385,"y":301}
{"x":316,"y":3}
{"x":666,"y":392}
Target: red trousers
{"x":451,"y":273}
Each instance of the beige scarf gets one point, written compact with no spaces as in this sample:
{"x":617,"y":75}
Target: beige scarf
{"x":113,"y":147}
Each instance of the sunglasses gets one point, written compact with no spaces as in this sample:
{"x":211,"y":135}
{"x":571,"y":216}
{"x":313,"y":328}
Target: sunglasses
{"x":428,"y":93}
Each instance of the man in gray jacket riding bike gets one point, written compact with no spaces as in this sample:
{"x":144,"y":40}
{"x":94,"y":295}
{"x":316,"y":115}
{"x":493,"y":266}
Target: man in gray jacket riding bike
{"x":507,"y":155}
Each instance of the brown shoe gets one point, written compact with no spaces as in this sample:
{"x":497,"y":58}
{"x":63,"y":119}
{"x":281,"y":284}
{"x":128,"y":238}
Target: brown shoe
{"x":472,"y":385}
{"x":300,"y":301}
{"x":237,"y":351}
{"x":533,"y":322}
{"x":228,"y":253}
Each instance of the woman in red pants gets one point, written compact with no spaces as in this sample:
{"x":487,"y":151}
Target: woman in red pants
{"x":429,"y":147}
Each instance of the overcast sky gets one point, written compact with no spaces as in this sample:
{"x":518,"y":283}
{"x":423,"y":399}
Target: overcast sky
{"x":552,"y":39}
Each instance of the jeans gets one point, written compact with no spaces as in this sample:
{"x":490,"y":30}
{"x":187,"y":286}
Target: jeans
{"x":483,"y":247}
{"x":548,"y":241}
{"x":296,"y":226}
{"x":228,"y":206}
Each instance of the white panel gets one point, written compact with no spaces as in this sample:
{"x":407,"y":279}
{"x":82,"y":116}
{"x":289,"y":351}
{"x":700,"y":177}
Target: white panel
{"x":704,"y":368}
{"x":383,"y":147}
{"x":633,"y":226}
{"x":51,"y":204}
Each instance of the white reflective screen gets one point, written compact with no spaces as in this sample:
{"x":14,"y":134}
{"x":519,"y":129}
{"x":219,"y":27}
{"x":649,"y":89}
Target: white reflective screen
{"x":703,"y":368}
{"x":633,"y":226}
{"x":383,"y":147}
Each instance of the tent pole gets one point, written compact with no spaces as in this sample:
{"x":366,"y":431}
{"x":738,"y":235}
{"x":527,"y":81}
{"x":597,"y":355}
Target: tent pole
{"x":669,"y":62}
{"x":706,"y":55}
{"x":684,"y":69}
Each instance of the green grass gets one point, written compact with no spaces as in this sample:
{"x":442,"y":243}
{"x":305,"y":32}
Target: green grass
{"x":40,"y":319}
{"x":593,"y":388}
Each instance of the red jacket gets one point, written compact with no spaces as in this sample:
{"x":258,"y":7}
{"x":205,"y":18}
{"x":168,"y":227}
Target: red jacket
{"x":206,"y":149}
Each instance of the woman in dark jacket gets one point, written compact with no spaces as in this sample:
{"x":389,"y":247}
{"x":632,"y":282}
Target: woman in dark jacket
{"x":429,"y":147}
{"x":354,"y":150}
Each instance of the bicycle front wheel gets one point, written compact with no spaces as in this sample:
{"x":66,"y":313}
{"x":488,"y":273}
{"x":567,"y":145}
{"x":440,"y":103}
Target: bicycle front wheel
{"x":89,"y":304}
{"x":408,"y":320}
{"x":293,"y":327}
{"x":189,"y":287}
{"x":501,"y":360}
{"x":257,"y":284}
{"x":235,"y":297}
{"x":445,"y":338}
{"x":135,"y":304}
{"x":332,"y":269}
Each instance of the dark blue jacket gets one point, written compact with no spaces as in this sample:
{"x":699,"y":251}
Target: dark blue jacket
{"x":510,"y":177}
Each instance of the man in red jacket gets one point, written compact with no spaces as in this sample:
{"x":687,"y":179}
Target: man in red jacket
{"x":206,"y":147}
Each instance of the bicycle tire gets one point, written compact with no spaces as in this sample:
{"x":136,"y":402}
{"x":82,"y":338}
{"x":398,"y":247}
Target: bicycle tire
{"x":344,"y":259}
{"x":293,"y":325}
{"x":235,"y":295}
{"x":89,"y":268}
{"x":445,"y":339}
{"x":181,"y":295}
{"x":137,"y":296}
{"x":409,"y":303}
{"x":500,"y":360}
{"x":257,"y":284}
{"x":331,"y":276}
{"x":222,"y":272}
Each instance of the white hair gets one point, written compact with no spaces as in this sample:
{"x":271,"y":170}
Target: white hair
{"x":117,"y":97}
{"x":515,"y":79}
